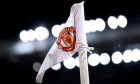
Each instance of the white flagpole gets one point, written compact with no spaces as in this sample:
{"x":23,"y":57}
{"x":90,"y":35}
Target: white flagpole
{"x":84,"y":74}
{"x":80,"y":18}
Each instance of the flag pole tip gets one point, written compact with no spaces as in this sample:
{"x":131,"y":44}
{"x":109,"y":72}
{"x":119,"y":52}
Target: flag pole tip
{"x":83,"y":2}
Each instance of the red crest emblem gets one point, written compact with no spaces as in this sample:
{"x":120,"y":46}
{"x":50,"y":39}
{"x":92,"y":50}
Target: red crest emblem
{"x":67,"y":38}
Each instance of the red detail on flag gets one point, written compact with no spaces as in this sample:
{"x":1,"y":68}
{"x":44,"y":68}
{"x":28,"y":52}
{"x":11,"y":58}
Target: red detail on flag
{"x":67,"y":39}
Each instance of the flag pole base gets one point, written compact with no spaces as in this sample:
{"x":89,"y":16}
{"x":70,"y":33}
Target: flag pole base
{"x":84,"y":75}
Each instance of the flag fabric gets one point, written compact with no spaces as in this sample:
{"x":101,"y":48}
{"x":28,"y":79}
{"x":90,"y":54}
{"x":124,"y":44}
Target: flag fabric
{"x":70,"y":40}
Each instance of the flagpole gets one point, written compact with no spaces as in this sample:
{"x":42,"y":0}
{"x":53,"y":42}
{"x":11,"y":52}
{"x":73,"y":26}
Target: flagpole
{"x":84,"y":74}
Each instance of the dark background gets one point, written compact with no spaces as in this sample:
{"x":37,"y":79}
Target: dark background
{"x":19,"y":15}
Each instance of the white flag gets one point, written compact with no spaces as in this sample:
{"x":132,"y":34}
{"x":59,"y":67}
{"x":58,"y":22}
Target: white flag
{"x":71,"y":40}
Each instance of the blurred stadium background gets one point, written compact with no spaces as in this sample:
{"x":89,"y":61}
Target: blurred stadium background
{"x":29,"y":29}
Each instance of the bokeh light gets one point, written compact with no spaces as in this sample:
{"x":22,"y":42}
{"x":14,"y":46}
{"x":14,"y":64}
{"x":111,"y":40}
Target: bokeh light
{"x":41,"y":33}
{"x":122,"y":21}
{"x":36,"y":66}
{"x":31,"y":35}
{"x":56,"y":67}
{"x":69,"y":63}
{"x":136,"y":55}
{"x":127,"y":56}
{"x":93,"y":59}
{"x":117,"y":57}
{"x":24,"y":36}
{"x":104,"y":59}
{"x":100,"y":24}
{"x":112,"y":22}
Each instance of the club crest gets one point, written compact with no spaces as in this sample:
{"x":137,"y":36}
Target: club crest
{"x":67,"y":35}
